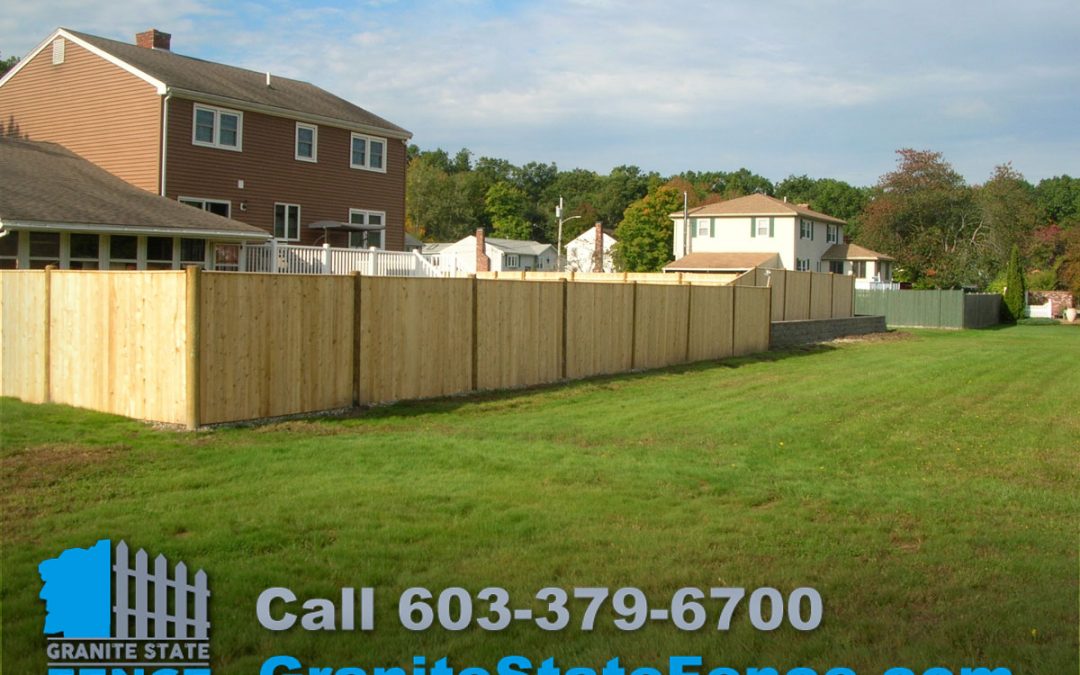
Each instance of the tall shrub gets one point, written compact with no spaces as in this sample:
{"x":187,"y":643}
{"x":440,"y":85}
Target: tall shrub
{"x":1015,"y":292}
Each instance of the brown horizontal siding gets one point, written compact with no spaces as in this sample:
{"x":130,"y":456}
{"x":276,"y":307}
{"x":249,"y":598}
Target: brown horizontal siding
{"x":91,"y":107}
{"x":325,"y":190}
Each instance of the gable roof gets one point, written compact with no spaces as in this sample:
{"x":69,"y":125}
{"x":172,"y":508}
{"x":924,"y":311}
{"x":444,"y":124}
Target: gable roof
{"x":518,"y":246}
{"x":228,"y":85}
{"x":852,"y":252}
{"x":47,"y":185}
{"x":758,"y":205}
{"x":722,"y":262}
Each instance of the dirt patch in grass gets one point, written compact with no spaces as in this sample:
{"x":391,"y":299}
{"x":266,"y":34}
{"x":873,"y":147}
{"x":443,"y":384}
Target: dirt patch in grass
{"x":887,"y":336}
{"x":44,"y":464}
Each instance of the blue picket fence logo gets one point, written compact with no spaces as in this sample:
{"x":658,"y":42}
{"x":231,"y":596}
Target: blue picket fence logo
{"x":110,"y":611}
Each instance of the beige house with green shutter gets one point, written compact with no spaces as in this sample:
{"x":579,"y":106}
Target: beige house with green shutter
{"x":762,"y":231}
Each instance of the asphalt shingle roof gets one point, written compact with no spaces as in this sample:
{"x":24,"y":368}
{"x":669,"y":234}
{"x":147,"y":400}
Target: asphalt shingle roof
{"x":217,"y":79}
{"x":47,"y":183}
{"x":758,"y":205}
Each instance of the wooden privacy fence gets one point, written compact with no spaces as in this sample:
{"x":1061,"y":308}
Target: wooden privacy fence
{"x":931,"y":309}
{"x":196,"y":348}
{"x":800,"y":296}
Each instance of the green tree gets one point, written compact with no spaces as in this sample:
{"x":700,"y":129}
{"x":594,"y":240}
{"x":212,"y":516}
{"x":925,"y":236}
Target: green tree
{"x":924,"y":215}
{"x":646,"y":231}
{"x":1008,"y":216}
{"x":505,"y":204}
{"x":7,"y":64}
{"x":1060,"y":198}
{"x":1012,"y":307}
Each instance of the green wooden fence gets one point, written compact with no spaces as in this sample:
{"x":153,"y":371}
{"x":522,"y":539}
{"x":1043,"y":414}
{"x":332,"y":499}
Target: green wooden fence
{"x":931,"y":309}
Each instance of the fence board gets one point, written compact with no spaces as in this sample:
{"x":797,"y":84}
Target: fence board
{"x":820,"y":295}
{"x":982,"y":310}
{"x":274,"y":345}
{"x":751,"y":326}
{"x":599,"y":329}
{"x":711,"y":317}
{"x":518,"y":333}
{"x":660,"y":325}
{"x":23,"y":325}
{"x":931,"y":308}
{"x":416,"y":338}
{"x":797,"y":296}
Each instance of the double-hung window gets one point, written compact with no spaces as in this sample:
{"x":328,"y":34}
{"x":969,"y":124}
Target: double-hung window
{"x":802,"y":264}
{"x":858,"y":269}
{"x":307,"y":142}
{"x":762,"y":227}
{"x":368,"y":153}
{"x":287,"y":221}
{"x":218,"y":128}
{"x":368,"y":238}
{"x":832,"y":234}
{"x":806,"y":229}
{"x":511,"y":261}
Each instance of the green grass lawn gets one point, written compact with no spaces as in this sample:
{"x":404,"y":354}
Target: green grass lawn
{"x":928,"y":488}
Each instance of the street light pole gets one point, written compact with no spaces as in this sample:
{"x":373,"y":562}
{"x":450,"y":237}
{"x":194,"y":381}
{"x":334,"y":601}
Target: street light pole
{"x":560,"y":262}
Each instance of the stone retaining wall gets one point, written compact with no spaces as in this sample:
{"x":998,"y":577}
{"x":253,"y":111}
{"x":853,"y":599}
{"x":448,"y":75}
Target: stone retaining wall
{"x":794,"y":333}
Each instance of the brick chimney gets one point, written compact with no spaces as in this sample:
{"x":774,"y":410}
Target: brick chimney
{"x":803,"y":206}
{"x":153,"y":39}
{"x":598,"y":248}
{"x":483,"y":262}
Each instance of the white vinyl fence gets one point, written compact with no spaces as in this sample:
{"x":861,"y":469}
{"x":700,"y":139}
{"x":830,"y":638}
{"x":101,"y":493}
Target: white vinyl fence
{"x":277,"y":258}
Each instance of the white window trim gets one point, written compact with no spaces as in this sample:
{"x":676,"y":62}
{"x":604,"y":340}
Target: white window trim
{"x":367,"y":213}
{"x":239,"y":147}
{"x":298,"y":221}
{"x":366,"y":166}
{"x":203,"y":201}
{"x":314,"y":143}
{"x":511,"y":261}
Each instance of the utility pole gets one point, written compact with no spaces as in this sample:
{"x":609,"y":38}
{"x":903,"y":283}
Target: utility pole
{"x":560,"y":260}
{"x":686,"y":223}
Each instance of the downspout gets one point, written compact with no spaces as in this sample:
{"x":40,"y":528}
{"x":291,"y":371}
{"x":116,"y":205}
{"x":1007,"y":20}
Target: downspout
{"x":164,"y":136}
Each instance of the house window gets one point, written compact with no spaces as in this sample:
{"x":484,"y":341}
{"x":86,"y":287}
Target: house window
{"x":217,"y":128}
{"x":858,"y":268}
{"x":368,"y":153}
{"x":367,"y":238}
{"x":702,"y":227}
{"x":806,"y":229}
{"x":123,"y":252}
{"x":159,"y":253}
{"x":511,"y":261}
{"x":44,"y":249}
{"x":836,"y":266}
{"x":885,"y":268}
{"x":802,"y":264}
{"x":192,"y":252}
{"x":287,"y":222}
{"x":85,"y":252}
{"x":9,"y":250}
{"x":307,"y":142}
{"x":762,"y":226}
{"x":216,"y":206}
{"x":58,"y":51}
{"x":832,"y":234}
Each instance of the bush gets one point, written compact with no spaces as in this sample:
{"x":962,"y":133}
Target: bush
{"x":1012,"y":308}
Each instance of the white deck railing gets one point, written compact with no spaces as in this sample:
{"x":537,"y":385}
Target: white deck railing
{"x":277,"y":258}
{"x":871,"y":285}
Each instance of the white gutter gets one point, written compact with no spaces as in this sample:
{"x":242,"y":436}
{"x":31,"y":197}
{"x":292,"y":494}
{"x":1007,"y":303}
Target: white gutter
{"x":40,"y":226}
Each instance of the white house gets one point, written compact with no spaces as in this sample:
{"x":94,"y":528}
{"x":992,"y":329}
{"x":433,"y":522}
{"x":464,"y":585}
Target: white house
{"x":581,"y":251}
{"x":758,"y":227}
{"x":510,"y":255}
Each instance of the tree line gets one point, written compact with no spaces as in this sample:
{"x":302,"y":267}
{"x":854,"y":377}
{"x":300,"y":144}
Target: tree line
{"x":943,"y":231}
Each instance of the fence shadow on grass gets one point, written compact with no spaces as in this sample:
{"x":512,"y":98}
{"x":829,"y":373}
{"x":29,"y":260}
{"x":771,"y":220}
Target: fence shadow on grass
{"x":416,"y":408}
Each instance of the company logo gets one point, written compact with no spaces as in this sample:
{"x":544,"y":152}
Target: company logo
{"x":124,"y":615}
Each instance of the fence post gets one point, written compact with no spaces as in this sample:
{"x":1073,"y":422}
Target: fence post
{"x":193,"y":330}
{"x":326,"y":258}
{"x":475,"y":376}
{"x":565,"y":288}
{"x":689,"y":318}
{"x":372,"y":264}
{"x":47,"y":347}
{"x":633,"y":327}
{"x":273,"y":257}
{"x":358,"y":309}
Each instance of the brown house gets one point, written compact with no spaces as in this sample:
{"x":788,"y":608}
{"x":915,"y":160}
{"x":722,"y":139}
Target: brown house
{"x":276,"y":153}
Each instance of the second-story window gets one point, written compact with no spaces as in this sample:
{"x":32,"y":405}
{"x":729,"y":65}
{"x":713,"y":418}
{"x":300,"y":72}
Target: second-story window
{"x":218,"y":128}
{"x":832,"y":234}
{"x":368,"y":153}
{"x":806,"y":229}
{"x":307,"y":142}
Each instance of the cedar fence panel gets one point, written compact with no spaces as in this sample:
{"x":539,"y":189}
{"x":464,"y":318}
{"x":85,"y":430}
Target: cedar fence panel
{"x":752,"y":324}
{"x":843,"y":296}
{"x":711,"y":323}
{"x":661,"y":321}
{"x":415,"y":338}
{"x":797,"y":296}
{"x":24,"y":347}
{"x":821,"y":288}
{"x":519,"y":339}
{"x":599,"y":329}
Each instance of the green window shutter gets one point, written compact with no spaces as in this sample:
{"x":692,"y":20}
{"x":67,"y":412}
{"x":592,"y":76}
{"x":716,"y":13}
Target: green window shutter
{"x":753,"y":226}
{"x":772,"y":227}
{"x":811,"y":230}
{"x":693,"y":228}
{"x":712,"y":227}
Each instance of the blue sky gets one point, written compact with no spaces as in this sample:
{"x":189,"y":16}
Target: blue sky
{"x":818,"y":87}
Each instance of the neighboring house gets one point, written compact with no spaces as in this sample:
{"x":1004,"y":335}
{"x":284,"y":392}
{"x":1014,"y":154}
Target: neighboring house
{"x":276,"y":153}
{"x":757,"y":227}
{"x":412,"y":243}
{"x":581,"y":251}
{"x":504,"y":255}
{"x":56,"y":208}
